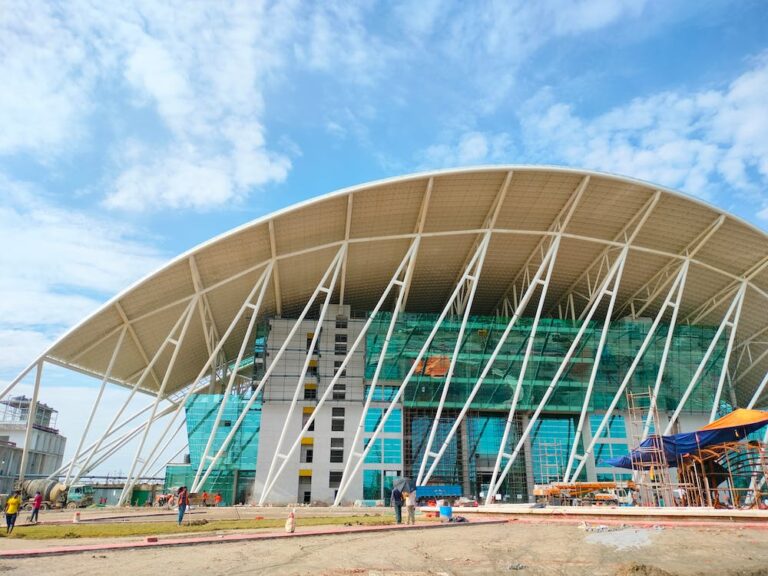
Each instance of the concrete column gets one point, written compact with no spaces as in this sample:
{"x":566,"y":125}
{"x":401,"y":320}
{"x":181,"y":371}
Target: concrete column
{"x":528,"y":454}
{"x":466,"y":486}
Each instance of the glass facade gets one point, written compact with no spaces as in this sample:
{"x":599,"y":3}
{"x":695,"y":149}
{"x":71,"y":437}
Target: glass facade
{"x":553,"y":339}
{"x":232,"y":472}
{"x":471,"y":454}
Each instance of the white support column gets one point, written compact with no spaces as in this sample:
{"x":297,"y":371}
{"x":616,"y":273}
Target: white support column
{"x":734,"y":326}
{"x":193,"y":388}
{"x":667,"y":345}
{"x":278,"y":455}
{"x":360,"y":458}
{"x":473,"y":280}
{"x":596,"y":365}
{"x":276,"y":273}
{"x":630,"y":372}
{"x":261,"y":287}
{"x":176,"y":343}
{"x":498,"y":479}
{"x":152,"y":460}
{"x":106,"y":451}
{"x":146,"y":372}
{"x":703,"y":364}
{"x":31,"y":417}
{"x":19,"y":378}
{"x":347,"y":228}
{"x":418,"y":230}
{"x":545,"y":269}
{"x":96,"y":403}
{"x":345,"y":478}
{"x":270,"y":369}
{"x":394,"y":281}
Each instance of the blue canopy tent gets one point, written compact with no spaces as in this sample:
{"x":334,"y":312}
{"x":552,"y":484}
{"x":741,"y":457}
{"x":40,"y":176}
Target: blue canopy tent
{"x":731,"y":428}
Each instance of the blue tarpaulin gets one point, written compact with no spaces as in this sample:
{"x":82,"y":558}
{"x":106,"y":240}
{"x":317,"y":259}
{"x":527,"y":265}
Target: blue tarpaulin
{"x":678,"y":445}
{"x":438,"y":491}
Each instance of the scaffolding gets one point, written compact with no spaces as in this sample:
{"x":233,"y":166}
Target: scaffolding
{"x":728,"y":475}
{"x":650,"y":469}
{"x":551,"y":462}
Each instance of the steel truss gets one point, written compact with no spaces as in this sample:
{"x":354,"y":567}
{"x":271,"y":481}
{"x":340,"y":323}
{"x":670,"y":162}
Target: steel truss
{"x":730,"y":320}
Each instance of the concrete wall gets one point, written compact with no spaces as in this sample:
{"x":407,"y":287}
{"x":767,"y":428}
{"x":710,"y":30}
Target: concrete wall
{"x":277,"y":396}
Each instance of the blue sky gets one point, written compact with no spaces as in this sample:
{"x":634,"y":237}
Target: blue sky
{"x":132,"y":131}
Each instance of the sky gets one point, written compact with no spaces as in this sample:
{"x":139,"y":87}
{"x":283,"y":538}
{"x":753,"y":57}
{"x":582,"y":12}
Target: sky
{"x":132,"y":131}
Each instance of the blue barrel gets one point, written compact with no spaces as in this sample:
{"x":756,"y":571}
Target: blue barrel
{"x":446,"y":513}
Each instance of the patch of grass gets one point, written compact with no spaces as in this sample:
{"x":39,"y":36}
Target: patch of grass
{"x":122,"y":529}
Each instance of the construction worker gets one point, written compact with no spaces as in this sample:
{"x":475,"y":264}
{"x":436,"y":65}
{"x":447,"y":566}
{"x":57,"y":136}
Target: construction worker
{"x":205,"y":498}
{"x":183,"y":502}
{"x":37,"y":503}
{"x":12,"y":511}
{"x":397,"y":503}
{"x":217,"y":499}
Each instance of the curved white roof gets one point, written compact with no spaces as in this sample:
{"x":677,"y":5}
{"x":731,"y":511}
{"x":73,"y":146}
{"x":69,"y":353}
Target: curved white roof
{"x":595,"y":213}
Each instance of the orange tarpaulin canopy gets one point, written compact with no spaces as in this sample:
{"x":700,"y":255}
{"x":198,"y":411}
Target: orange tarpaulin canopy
{"x":436,"y":366}
{"x":739,"y":417}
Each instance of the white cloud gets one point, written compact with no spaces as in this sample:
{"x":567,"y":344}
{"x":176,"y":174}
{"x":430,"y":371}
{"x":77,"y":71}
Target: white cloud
{"x":58,"y":266}
{"x":489,"y":42}
{"x":470,"y":148}
{"x":201,"y":68}
{"x":45,"y":80}
{"x":693,"y":141}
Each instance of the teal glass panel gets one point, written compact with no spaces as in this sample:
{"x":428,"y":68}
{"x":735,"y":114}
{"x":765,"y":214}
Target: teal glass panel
{"x":394,"y":422}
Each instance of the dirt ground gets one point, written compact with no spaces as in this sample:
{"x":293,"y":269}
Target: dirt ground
{"x":513,"y":548}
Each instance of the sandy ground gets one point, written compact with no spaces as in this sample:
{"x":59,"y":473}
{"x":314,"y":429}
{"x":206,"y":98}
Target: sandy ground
{"x":514,"y":548}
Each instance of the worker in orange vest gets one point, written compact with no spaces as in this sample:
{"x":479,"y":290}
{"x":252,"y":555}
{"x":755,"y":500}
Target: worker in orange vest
{"x":205,"y":498}
{"x":217,"y":499}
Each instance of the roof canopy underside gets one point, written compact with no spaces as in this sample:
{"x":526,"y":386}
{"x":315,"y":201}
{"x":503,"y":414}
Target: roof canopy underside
{"x":449,"y":211}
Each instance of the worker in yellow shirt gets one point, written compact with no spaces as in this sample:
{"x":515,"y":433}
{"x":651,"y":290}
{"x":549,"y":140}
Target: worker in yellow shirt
{"x":12,"y":510}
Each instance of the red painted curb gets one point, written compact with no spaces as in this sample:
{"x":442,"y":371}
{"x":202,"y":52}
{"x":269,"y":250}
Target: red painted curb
{"x":58,"y":550}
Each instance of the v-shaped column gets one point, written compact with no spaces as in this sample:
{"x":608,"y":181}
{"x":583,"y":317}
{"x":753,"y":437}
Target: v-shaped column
{"x":398,"y":279}
{"x":176,"y":343}
{"x":497,"y":478}
{"x":356,"y":459}
{"x":545,"y":270}
{"x":731,"y":320}
{"x":333,"y":269}
{"x":471,"y":280}
{"x":675,"y":291}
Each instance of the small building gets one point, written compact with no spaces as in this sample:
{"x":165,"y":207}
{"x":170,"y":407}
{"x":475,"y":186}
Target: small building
{"x":46,"y":444}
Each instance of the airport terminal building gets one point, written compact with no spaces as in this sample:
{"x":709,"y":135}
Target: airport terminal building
{"x":478,"y":331}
